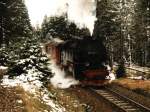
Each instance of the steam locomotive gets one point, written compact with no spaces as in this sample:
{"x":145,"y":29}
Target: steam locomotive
{"x":81,"y":58}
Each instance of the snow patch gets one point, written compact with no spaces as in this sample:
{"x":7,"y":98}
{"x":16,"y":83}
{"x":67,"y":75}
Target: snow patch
{"x":31,"y":83}
{"x":111,"y":76}
{"x":137,"y":78}
{"x":3,"y":68}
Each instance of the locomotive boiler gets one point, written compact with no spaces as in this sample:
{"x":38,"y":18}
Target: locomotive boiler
{"x":82,"y":58}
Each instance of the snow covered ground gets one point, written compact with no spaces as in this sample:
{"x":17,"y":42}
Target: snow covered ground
{"x":3,"y":68}
{"x":31,"y":83}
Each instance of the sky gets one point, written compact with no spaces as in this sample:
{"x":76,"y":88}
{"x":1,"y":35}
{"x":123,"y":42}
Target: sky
{"x":82,"y":12}
{"x":37,"y":9}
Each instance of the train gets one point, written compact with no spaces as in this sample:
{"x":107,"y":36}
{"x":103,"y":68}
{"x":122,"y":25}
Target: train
{"x":82,"y":58}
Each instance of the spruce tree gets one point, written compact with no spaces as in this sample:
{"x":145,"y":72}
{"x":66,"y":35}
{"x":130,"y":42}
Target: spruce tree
{"x":29,"y":56}
{"x":59,"y":26}
{"x":14,"y":22}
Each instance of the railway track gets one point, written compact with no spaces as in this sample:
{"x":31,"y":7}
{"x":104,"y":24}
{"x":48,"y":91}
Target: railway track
{"x":123,"y":103}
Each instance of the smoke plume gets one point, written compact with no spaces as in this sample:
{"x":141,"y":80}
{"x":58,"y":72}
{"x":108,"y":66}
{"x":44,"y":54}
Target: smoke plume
{"x":82,"y":12}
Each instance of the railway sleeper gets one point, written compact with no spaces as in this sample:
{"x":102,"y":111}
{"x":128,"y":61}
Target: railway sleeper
{"x":118,"y":101}
{"x":110,"y":97}
{"x":122,"y":104}
{"x":105,"y":94}
{"x":133,"y":110}
{"x":127,"y":106}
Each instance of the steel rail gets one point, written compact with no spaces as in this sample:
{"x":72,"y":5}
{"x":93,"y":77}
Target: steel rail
{"x":124,"y":103}
{"x":129,"y":99}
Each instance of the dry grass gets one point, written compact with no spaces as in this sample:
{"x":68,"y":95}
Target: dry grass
{"x":134,"y":84}
{"x":9,"y":100}
{"x":31,"y":103}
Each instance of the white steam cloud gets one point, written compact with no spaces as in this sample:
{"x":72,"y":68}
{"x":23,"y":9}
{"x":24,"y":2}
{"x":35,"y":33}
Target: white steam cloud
{"x":111,"y":75}
{"x":82,"y":12}
{"x":59,"y":80}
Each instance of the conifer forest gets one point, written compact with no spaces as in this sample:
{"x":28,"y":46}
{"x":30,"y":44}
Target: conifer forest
{"x":123,"y":26}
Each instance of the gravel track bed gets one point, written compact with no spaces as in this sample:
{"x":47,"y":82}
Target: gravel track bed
{"x":96,"y":103}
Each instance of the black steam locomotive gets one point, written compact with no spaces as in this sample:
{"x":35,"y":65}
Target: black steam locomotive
{"x":82,"y":58}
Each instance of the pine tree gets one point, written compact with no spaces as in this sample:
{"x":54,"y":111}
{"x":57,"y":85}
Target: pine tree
{"x":123,"y":25}
{"x":59,"y":26}
{"x":142,"y":23}
{"x":107,"y":26}
{"x":14,"y":21}
{"x":4,"y":57}
{"x":121,"y":72}
{"x":3,"y":21}
{"x":20,"y":20}
{"x":27,"y":57}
